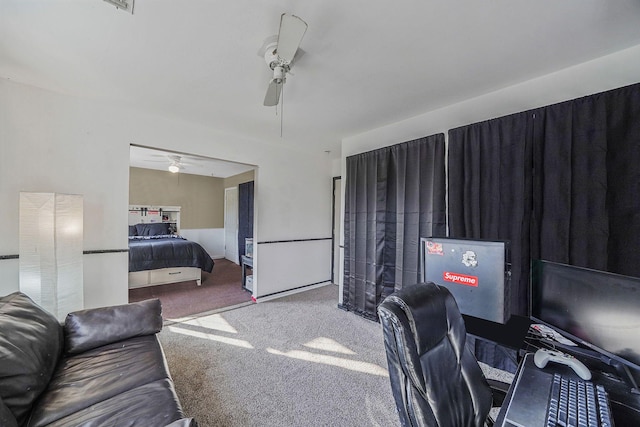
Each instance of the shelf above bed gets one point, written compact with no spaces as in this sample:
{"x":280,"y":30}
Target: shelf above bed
{"x":145,"y":214}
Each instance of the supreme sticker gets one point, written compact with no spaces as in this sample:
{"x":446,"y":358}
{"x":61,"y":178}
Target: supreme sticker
{"x":461,"y":279}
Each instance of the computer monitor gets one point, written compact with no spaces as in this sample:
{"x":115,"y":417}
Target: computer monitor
{"x":597,"y":309}
{"x":477,"y":272}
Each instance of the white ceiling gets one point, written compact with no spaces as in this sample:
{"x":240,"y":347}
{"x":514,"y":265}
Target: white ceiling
{"x":367,"y":63}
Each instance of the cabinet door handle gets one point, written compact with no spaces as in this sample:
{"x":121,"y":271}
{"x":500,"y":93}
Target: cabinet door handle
{"x":176,"y":272}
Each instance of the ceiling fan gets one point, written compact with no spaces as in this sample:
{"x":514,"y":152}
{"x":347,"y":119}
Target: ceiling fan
{"x":175,"y":162}
{"x":279,"y":52}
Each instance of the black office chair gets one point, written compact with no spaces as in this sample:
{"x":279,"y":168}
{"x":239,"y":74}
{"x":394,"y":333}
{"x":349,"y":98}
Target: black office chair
{"x":435,"y":379}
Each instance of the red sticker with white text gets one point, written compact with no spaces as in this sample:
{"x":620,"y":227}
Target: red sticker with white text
{"x":461,"y":279}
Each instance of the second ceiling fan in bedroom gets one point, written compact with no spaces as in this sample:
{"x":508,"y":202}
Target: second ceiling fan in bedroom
{"x":174,"y":162}
{"x":279,"y":52}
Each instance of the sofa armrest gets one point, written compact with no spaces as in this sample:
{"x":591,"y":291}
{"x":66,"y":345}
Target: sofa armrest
{"x":87,"y":329}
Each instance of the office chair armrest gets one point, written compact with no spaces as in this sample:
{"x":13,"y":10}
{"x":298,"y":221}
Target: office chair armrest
{"x":499,"y":390}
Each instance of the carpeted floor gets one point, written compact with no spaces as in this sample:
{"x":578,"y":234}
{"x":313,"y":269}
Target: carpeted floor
{"x":220,"y":289}
{"x":291,"y":361}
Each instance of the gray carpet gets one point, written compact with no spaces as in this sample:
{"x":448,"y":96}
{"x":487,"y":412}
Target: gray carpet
{"x":293,"y":361}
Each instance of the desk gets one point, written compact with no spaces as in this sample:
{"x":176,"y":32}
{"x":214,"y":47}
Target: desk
{"x":625,"y":404}
{"x":247,"y":262}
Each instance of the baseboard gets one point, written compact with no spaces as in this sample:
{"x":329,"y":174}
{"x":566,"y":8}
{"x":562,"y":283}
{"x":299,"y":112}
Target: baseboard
{"x":292,"y":291}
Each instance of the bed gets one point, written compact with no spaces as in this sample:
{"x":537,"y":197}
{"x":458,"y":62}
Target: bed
{"x":157,"y":257}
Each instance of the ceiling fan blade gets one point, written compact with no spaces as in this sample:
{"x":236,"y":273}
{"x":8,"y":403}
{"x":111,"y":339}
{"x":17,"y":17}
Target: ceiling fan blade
{"x":292,"y":30}
{"x":273,"y":94}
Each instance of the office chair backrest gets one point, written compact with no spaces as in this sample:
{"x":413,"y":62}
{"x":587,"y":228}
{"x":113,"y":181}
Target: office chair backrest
{"x":435,"y":379}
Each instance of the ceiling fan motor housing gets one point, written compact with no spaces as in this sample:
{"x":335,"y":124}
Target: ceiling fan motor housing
{"x":279,"y":74}
{"x":271,"y":55}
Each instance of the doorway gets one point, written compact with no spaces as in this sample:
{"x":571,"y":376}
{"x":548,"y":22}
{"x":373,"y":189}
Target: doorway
{"x":337,"y":230}
{"x":199,"y":188}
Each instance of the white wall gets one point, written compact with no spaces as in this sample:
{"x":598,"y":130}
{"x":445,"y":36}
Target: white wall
{"x":336,"y":167}
{"x":280,"y":254}
{"x":211,"y":239}
{"x":53,"y":142}
{"x":608,"y":72}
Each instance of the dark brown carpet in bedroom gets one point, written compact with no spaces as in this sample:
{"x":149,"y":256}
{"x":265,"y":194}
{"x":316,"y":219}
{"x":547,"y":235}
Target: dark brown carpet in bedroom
{"x":220,"y":288}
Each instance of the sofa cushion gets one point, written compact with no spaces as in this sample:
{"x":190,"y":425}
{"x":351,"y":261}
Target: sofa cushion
{"x":152,"y":404}
{"x":30,"y":347}
{"x":6,"y":416}
{"x":86,"y":379}
{"x":87,"y":329}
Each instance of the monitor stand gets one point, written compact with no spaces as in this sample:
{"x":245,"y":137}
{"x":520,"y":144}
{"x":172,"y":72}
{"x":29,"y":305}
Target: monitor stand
{"x":510,"y":334}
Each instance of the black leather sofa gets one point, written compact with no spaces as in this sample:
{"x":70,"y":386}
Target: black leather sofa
{"x":103,"y":367}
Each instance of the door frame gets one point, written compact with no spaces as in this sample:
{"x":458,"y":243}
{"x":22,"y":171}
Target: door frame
{"x":336,"y":226}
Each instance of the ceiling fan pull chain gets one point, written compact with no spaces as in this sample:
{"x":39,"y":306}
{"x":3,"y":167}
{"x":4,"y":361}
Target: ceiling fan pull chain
{"x":281,"y":109}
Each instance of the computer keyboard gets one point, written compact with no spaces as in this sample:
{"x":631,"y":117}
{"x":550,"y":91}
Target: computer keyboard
{"x":573,"y":402}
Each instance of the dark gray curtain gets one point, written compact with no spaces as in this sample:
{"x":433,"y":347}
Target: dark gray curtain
{"x":587,"y":191}
{"x":393,"y":196}
{"x":490,"y":191}
{"x":561,"y":182}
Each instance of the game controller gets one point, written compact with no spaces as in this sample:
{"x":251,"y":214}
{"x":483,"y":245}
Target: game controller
{"x":543,"y":356}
